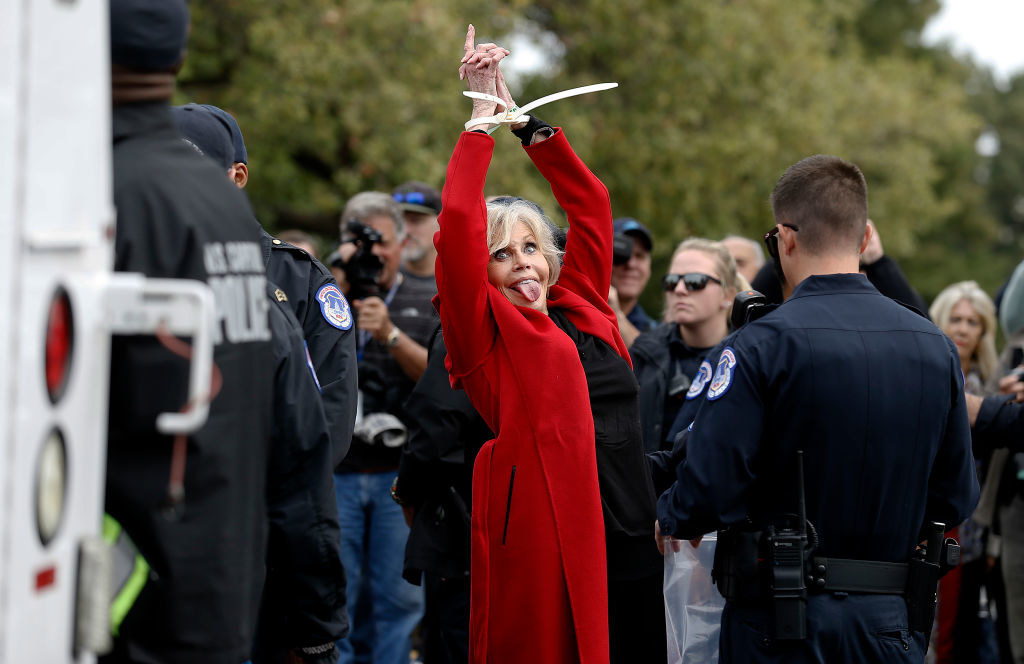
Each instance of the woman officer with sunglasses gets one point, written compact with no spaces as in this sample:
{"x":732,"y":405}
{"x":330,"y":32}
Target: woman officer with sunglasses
{"x":699,"y":290}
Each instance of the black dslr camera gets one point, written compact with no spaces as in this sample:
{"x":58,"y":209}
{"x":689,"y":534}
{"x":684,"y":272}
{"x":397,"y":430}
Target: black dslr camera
{"x":363,"y":269}
{"x":622,"y":248}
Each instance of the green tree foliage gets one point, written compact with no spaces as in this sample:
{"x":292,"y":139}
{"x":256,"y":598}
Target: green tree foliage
{"x":716,"y":99}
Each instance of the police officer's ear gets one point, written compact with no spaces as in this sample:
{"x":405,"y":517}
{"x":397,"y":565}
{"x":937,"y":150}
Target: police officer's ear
{"x":787,"y":239}
{"x":869,"y":231}
{"x":239,"y":174}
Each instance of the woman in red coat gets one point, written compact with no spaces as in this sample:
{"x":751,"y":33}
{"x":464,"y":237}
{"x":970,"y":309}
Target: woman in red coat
{"x":546,"y":368}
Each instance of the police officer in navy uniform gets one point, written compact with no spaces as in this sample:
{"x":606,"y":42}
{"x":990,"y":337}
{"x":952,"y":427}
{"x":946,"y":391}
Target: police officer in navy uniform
{"x":872,"y":394}
{"x":317,"y":302}
{"x":303,"y":605}
{"x":326,"y":320}
{"x":177,"y":217}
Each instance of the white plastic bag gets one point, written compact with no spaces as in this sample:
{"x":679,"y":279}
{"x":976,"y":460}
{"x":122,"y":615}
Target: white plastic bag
{"x":693,"y":605}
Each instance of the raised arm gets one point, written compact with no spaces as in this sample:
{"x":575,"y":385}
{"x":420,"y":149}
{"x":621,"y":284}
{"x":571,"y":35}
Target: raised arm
{"x":587,"y":268}
{"x":461,"y":272}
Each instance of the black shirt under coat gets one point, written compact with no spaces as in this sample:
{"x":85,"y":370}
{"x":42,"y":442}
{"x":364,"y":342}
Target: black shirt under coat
{"x":627,"y":494}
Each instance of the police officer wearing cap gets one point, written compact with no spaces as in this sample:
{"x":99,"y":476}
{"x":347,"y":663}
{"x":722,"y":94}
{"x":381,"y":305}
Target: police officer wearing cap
{"x":202,"y":534}
{"x":303,"y":604}
{"x":869,"y":395}
{"x":315,"y":299}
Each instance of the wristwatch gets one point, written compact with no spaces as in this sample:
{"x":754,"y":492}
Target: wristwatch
{"x":392,"y":339}
{"x":394,"y":492}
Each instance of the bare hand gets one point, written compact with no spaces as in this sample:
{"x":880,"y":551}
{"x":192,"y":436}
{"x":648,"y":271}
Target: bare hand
{"x":873,"y":252}
{"x":613,"y":301}
{"x":973,"y":407}
{"x":1011,"y":384}
{"x":479,"y":69}
{"x":374,"y":318}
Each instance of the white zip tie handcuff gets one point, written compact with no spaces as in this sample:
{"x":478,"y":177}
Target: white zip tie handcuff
{"x":517,"y":114}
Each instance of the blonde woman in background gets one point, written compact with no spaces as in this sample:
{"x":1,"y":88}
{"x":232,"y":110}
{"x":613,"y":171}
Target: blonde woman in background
{"x":967,"y":315}
{"x":699,"y":290}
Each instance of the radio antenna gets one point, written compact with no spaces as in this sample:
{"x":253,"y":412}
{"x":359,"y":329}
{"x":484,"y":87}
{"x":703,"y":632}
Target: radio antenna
{"x":800,"y":487}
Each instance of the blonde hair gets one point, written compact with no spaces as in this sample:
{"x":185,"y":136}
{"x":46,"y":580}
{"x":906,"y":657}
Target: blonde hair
{"x":505,"y":212}
{"x":725,"y":264}
{"x":984,"y":356}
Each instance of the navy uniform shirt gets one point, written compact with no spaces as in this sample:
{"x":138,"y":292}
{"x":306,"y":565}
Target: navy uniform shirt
{"x":326,"y":320}
{"x":873,"y":395}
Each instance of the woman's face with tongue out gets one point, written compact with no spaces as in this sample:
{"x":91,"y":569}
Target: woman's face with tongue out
{"x":520,"y":270}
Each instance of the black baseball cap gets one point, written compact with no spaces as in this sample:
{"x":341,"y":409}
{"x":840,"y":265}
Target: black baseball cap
{"x":418,"y":197}
{"x":205,"y":131}
{"x":624,"y":225}
{"x":148,"y":35}
{"x":236,"y":133}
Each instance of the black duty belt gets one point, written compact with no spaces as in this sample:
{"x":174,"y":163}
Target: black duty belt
{"x":856,"y":576}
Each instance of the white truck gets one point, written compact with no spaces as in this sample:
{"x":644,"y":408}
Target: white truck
{"x":61,"y":304}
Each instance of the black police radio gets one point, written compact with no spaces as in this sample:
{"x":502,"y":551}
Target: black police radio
{"x":748,"y":306}
{"x":786,"y":549}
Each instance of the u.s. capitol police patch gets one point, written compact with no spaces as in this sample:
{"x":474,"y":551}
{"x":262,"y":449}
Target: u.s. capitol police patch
{"x":700,"y":381}
{"x":724,"y":374}
{"x":334,"y":306}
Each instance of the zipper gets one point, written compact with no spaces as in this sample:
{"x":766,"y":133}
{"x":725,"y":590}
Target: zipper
{"x":508,"y":503}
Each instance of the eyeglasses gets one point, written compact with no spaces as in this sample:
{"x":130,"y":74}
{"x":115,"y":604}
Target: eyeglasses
{"x":411,"y":197}
{"x":771,"y":241}
{"x":694,"y":281}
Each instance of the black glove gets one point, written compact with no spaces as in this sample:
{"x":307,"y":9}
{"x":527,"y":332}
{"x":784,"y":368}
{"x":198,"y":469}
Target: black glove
{"x":532,"y":127}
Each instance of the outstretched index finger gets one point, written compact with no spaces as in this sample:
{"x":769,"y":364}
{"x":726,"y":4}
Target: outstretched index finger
{"x":470,"y":38}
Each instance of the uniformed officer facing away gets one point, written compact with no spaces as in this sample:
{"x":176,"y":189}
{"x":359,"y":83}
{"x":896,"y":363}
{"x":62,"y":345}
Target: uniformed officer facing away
{"x":871,"y":394}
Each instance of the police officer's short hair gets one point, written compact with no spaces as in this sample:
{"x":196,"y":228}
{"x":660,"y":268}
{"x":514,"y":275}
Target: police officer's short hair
{"x":827,"y":199}
{"x":368,"y":204}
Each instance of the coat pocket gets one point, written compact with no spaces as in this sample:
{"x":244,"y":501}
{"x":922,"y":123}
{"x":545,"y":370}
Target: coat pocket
{"x":508,"y":503}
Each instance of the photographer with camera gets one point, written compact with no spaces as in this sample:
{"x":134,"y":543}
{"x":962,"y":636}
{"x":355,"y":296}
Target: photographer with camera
{"x":631,"y":269}
{"x":862,"y":398}
{"x":395,"y":320}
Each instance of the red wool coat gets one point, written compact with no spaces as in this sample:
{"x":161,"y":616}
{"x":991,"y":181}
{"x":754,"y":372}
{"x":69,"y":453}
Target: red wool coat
{"x":539,"y":580}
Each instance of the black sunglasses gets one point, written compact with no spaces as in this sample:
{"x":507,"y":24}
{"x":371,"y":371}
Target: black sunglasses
{"x":771,"y":241}
{"x":694,"y":281}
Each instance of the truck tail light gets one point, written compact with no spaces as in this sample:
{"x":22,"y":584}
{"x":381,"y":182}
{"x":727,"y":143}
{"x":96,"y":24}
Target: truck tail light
{"x":59,"y":344}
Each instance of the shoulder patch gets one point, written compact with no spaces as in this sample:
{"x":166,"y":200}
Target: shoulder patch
{"x":700,"y":381}
{"x":724,"y":374}
{"x":334,"y":306}
{"x":279,"y":294}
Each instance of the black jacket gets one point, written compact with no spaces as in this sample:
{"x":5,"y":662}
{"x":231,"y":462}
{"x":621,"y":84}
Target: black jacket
{"x":652,"y":355}
{"x":436,"y":471}
{"x":179,"y":217}
{"x":327,"y":324}
{"x":304,"y":597}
